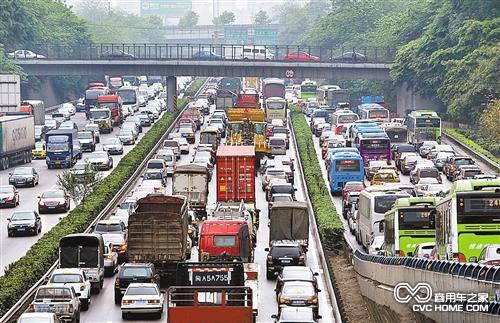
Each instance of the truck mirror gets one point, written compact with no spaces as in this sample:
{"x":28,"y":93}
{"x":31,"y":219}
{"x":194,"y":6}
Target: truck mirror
{"x":316,"y":274}
{"x":265,"y":249}
{"x":410,"y":254}
{"x":274,"y":316}
{"x":473,"y":259}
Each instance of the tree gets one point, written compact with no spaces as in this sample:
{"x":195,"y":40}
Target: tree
{"x":225,"y":18}
{"x":490,"y":121}
{"x":77,"y":187}
{"x":261,"y":18}
{"x":189,"y":19}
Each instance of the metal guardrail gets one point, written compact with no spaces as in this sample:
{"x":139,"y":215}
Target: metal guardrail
{"x":490,"y":163}
{"x":156,"y":51}
{"x":322,"y":258}
{"x":22,"y":303}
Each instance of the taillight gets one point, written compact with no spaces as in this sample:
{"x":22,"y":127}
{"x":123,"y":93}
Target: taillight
{"x":401,"y":253}
{"x":339,"y":130}
{"x":30,"y":308}
{"x":269,"y":259}
{"x":302,"y":260}
{"x":284,"y":300}
{"x":70,"y":308}
{"x":460,"y":256}
{"x":312,"y":300}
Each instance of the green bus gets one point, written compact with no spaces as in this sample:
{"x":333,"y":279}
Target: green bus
{"x":468,"y":219}
{"x":423,"y":125}
{"x":409,"y":223}
{"x":308,"y":89}
{"x":333,"y":96}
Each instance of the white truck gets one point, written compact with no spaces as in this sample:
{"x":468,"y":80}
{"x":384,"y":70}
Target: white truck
{"x":191,"y":181}
{"x":17,"y":139}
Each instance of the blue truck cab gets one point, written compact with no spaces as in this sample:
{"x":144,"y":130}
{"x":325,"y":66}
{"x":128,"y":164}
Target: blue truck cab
{"x":59,"y":145}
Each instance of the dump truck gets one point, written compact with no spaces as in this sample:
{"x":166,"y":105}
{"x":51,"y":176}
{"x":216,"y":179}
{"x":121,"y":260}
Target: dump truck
{"x":158,"y":234}
{"x":17,"y":139}
{"x":191,"y":181}
{"x":289,"y":221}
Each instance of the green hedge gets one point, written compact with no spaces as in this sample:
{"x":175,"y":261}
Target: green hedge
{"x":330,"y":226}
{"x":25,"y":272}
{"x":195,"y":85}
{"x":472,"y":144}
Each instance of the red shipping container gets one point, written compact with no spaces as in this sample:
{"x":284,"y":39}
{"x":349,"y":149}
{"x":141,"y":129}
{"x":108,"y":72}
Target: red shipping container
{"x":247,"y":100}
{"x":236,"y":173}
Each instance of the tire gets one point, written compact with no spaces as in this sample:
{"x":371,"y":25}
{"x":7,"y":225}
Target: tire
{"x":159,"y":314}
{"x":85,"y":305}
{"x":269,"y":276}
{"x":124,"y":316}
{"x":118,"y":299}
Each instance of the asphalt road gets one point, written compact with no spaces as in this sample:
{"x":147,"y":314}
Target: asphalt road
{"x":13,"y":248}
{"x":103,"y":308}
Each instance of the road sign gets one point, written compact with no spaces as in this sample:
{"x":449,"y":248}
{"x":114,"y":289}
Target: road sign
{"x":289,"y":73}
{"x":165,"y":8}
{"x":236,"y":35}
{"x":266,"y":36}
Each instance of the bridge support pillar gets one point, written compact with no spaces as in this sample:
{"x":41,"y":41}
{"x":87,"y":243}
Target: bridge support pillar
{"x":409,"y":99}
{"x":171,"y":93}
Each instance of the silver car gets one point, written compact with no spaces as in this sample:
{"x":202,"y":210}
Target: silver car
{"x":100,"y":160}
{"x":113,"y":146}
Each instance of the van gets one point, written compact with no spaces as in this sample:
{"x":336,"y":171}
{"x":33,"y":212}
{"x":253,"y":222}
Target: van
{"x":256,"y":53}
{"x":174,"y":145}
{"x":278,"y":145}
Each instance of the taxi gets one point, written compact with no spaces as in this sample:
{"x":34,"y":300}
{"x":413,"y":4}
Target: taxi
{"x":39,"y":151}
{"x":385,"y":176}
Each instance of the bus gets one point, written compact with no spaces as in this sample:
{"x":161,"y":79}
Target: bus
{"x":410,"y":222}
{"x":333,"y":96}
{"x":344,"y":167}
{"x":374,"y":111}
{"x":374,"y":146}
{"x":423,"y":125}
{"x":308,"y":89}
{"x":273,"y":87}
{"x":276,"y":108}
{"x":374,"y":202}
{"x":397,"y":133}
{"x":341,"y":118}
{"x":468,"y":219}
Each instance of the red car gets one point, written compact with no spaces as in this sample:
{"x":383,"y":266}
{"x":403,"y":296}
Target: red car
{"x":300,"y":56}
{"x":53,"y":201}
{"x":352,"y":187}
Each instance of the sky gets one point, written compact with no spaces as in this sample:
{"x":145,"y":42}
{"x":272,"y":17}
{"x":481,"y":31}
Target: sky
{"x":244,"y":10}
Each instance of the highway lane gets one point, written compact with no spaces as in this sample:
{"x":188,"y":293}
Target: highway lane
{"x":12,"y":248}
{"x":103,"y":308}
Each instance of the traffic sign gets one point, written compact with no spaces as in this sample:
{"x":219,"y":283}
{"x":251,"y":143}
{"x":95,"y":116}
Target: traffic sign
{"x":289,"y":73}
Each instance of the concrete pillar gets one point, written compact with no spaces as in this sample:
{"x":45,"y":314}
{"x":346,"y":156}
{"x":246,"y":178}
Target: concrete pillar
{"x":408,"y":99}
{"x":171,"y":93}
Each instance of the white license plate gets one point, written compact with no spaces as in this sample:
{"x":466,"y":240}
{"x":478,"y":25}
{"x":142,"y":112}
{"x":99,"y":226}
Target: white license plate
{"x":21,"y":229}
{"x":52,"y":207}
{"x":141,"y":302}
{"x":285,"y":261}
{"x":298,"y":302}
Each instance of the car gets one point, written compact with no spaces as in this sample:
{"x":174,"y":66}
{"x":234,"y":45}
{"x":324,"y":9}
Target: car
{"x":110,"y":226}
{"x":126,"y":136}
{"x":51,"y":124}
{"x":142,"y":298}
{"x":110,"y":260}
{"x":188,"y":133}
{"x":490,"y":255}
{"x":124,"y":210}
{"x":69,"y":125}
{"x":81,"y":170}
{"x":274,"y":172}
{"x":25,"y":54}
{"x":168,"y":157}
{"x":423,"y":250}
{"x":398,"y":149}
{"x":301,"y":56}
{"x":284,"y":253}
{"x":384,"y":176}
{"x":348,"y":200}
{"x":94,"y":127}
{"x":430,"y":186}
{"x":145,"y":120}
{"x":53,"y":201}
{"x":426,"y":147}
{"x":135,"y":119}
{"x":40,"y":131}
{"x":77,"y":149}
{"x":451,"y":165}
{"x":113,"y":146}
{"x":440,"y":159}
{"x":420,"y":172}
{"x":467,"y":172}
{"x":352,"y":217}
{"x":24,"y":222}
{"x":157,"y":164}
{"x":73,"y":277}
{"x":206,"y":55}
{"x":376,"y":245}
{"x":38,"y":317}
{"x":80,"y":105}
{"x":278,"y":144}
{"x":285,"y":160}
{"x":9,"y":196}
{"x":296,"y":315}
{"x":133,"y":273}
{"x":100,"y":160}
{"x":295,"y":273}
{"x":408,"y":163}
{"x":254,"y":52}
{"x":24,"y":176}
{"x":219,"y":123}
{"x":282,"y":197}
{"x":352,"y":186}
{"x":65,"y":112}
{"x":87,"y":140}
{"x":117,"y":54}
{"x":279,"y":186}
{"x":118,"y":244}
{"x":300,"y":294}
{"x":63,"y":300}
{"x":350,"y":57}
{"x":183,"y":145}
{"x":133,"y":126}
{"x":156,"y":178}
{"x":39,"y":152}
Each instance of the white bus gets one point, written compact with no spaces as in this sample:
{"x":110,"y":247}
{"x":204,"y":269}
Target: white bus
{"x":276,"y":109}
{"x":374,"y":202}
{"x":341,"y":119}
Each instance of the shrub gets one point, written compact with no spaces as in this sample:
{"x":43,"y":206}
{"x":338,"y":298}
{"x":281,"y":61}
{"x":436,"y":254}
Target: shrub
{"x":476,"y":142}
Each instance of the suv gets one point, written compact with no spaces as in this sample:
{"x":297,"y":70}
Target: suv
{"x":282,"y":254}
{"x":453,"y":164}
{"x":134,"y":273}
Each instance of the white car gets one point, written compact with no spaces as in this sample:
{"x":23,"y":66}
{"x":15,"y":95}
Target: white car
{"x":124,"y":210}
{"x":38,"y":317}
{"x":25,"y":54}
{"x":110,"y":260}
{"x":113,"y":146}
{"x":168,"y":156}
{"x":70,"y":107}
{"x":94,"y":127}
{"x":76,"y":278}
{"x":142,"y":298}
{"x":424,"y":249}
{"x":376,"y":245}
{"x":183,"y":145}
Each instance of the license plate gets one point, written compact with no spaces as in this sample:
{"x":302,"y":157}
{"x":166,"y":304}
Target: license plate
{"x":285,"y":261}
{"x":298,"y":302}
{"x":141,"y":302}
{"x":52,"y":207}
{"x":58,"y":163}
{"x":21,"y":229}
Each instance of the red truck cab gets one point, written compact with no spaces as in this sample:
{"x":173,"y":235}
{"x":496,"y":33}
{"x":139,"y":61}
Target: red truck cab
{"x":114,"y":103}
{"x":225,"y":239}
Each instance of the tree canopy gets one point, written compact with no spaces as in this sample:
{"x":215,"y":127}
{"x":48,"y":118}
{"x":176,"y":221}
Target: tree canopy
{"x":261,"y":18}
{"x":189,"y":19}
{"x":225,"y":18}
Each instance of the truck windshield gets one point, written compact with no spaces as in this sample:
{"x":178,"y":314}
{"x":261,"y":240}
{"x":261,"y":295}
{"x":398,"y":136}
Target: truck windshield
{"x":275,"y":105}
{"x":57,"y":143}
{"x":224,"y":241}
{"x":66,"y":278}
{"x":100,"y":114}
{"x":53,"y":293}
{"x":85,"y":135}
{"x":109,"y":105}
{"x":128,"y":96}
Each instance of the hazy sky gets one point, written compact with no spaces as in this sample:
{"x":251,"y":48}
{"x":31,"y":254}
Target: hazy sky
{"x":243,"y":9}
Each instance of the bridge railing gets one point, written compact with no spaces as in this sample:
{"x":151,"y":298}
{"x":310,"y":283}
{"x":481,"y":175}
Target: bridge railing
{"x":157,"y":51}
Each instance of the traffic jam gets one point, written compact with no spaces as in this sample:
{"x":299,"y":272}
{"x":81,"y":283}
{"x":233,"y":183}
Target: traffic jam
{"x":215,"y":229}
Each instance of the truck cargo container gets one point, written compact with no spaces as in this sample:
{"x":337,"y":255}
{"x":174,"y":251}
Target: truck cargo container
{"x":191,"y":181}
{"x":289,"y":221}
{"x":17,"y":140}
{"x":158,"y":234}
{"x":273,"y":87}
{"x":236,"y":173}
{"x":248,"y":100}
{"x":10,"y":92}
{"x":60,"y":148}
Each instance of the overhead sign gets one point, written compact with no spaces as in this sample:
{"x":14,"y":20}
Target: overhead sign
{"x":165,"y":8}
{"x":266,"y":36}
{"x":236,"y":35}
{"x":289,"y":73}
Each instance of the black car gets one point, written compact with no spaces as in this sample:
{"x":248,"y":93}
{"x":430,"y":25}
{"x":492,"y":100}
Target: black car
{"x":24,"y":176}
{"x":282,"y":254}
{"x":134,"y":273}
{"x":117,"y":54}
{"x":350,"y":57}
{"x":398,"y":149}
{"x":206,"y":55}
{"x":296,"y":273}
{"x":24,"y":222}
